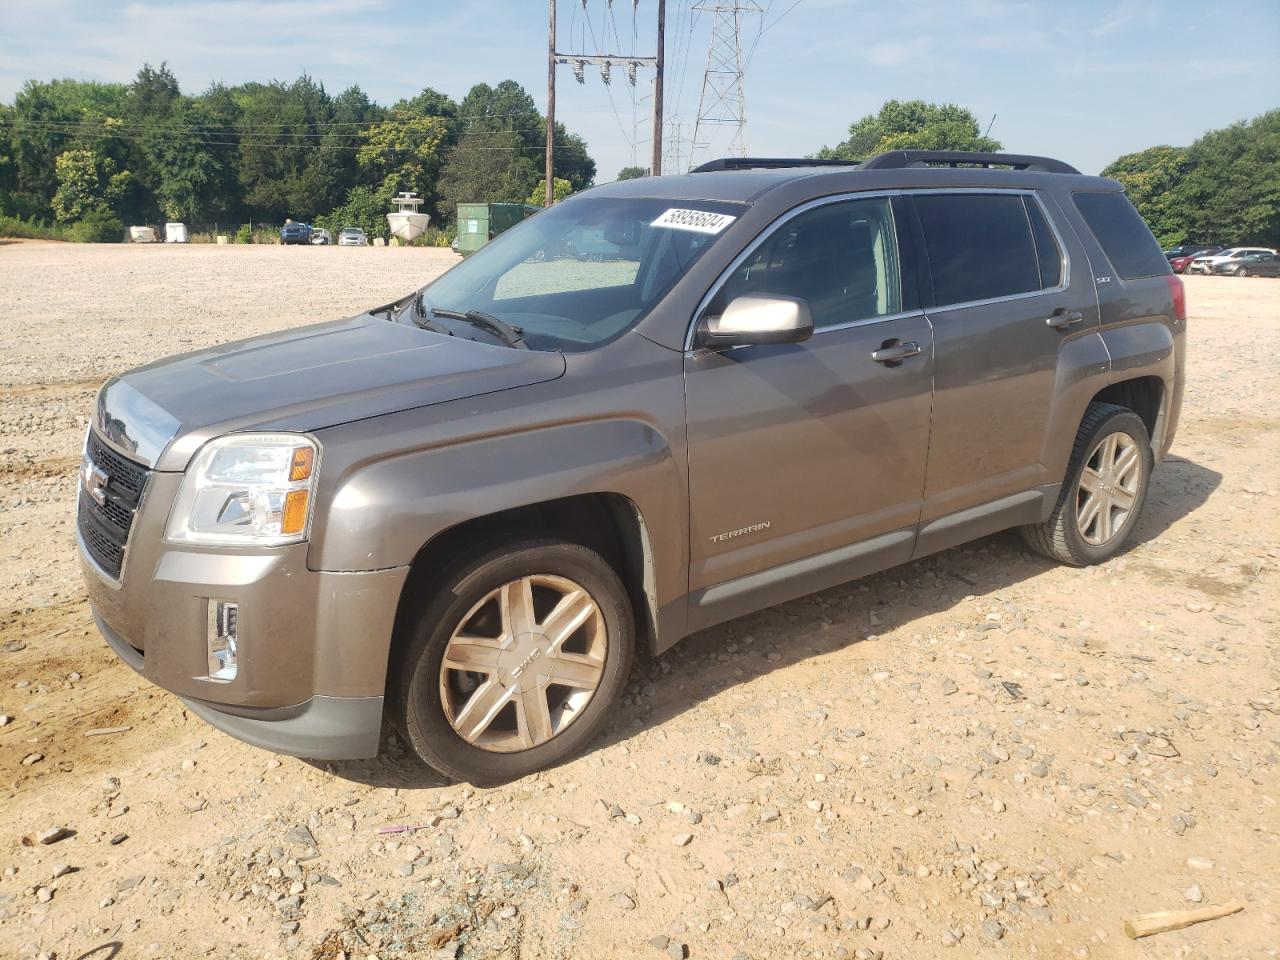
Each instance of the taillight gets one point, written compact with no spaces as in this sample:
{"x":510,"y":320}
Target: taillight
{"x":1179,"y":294}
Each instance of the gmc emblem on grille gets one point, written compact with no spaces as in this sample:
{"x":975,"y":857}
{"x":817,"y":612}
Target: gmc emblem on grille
{"x":94,"y":479}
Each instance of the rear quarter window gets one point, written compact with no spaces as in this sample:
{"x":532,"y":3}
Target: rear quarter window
{"x":1123,"y":235}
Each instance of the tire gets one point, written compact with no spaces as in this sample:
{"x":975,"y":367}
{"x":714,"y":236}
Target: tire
{"x":1242,"y":271}
{"x":1109,"y":525}
{"x":433,"y":703}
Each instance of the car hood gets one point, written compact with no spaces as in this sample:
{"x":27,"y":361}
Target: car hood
{"x":300,"y":380}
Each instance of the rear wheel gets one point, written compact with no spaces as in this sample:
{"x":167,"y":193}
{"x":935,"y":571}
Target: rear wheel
{"x":516,"y":662}
{"x":1104,"y":491}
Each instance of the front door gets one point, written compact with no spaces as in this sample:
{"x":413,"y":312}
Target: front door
{"x":807,"y":460}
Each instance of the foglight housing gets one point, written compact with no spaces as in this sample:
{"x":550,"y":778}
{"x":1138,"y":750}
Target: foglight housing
{"x":247,"y":488}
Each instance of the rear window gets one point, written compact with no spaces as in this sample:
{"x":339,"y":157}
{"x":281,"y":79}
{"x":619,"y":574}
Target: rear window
{"x":1124,"y":236}
{"x":980,"y":246}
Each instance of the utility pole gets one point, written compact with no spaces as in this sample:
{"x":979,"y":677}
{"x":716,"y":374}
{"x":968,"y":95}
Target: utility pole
{"x":656,"y":167}
{"x":724,"y":99}
{"x":605,"y":61}
{"x":551,"y":108}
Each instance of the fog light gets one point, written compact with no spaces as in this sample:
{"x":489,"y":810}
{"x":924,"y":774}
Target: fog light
{"x":224,"y":618}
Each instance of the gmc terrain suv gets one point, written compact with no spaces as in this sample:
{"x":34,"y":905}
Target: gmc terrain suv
{"x":466,"y":509}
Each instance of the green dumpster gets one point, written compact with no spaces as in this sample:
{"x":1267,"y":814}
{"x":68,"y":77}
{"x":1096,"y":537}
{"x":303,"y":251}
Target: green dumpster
{"x":478,"y":223}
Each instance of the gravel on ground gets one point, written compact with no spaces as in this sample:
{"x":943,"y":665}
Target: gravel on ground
{"x":976,"y":754}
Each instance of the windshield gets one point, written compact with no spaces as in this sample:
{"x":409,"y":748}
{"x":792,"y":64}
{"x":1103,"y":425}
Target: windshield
{"x":585,"y":271}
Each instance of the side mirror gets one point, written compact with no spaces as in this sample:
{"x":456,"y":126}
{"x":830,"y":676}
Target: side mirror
{"x":758,"y":320}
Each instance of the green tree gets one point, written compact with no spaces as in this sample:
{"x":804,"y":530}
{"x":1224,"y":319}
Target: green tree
{"x":153,"y":93}
{"x":8,"y":172}
{"x":1232,"y":187}
{"x":1152,"y":179}
{"x":571,"y":158}
{"x":87,"y":184}
{"x":51,"y":118}
{"x":911,"y":125}
{"x":487,"y":167}
{"x":282,"y":171}
{"x":428,"y":103}
{"x":560,"y":191}
{"x":403,"y":153}
{"x":147,"y":151}
{"x":633,"y":173}
{"x":1224,"y":188}
{"x":364,"y":207}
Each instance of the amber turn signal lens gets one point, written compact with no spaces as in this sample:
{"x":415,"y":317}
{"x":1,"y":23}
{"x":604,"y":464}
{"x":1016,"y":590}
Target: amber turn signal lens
{"x":295,"y":512}
{"x":303,"y":459}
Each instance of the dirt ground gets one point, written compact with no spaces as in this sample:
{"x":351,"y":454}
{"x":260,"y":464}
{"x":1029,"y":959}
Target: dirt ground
{"x":978,"y":754}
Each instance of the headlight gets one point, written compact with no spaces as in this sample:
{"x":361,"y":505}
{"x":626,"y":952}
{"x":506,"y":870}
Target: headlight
{"x":247,"y":488}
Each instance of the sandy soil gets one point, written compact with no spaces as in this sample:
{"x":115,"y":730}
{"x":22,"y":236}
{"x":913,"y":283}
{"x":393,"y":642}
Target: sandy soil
{"x":979,"y":754}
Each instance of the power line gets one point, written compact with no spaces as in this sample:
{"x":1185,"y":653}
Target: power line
{"x":604,"y":71}
{"x":112,"y":123}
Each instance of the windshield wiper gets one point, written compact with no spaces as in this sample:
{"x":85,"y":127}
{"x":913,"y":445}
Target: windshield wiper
{"x":512,"y":336}
{"x":422,"y":319}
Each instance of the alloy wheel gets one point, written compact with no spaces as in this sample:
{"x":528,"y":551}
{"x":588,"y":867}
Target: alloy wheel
{"x":523,"y":663}
{"x":1108,"y":488}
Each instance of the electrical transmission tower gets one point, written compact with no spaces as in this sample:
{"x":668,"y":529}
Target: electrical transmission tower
{"x":724,"y":100}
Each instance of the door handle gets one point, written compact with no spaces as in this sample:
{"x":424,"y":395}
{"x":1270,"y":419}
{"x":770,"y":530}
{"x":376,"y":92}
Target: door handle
{"x":1062,"y":319}
{"x":892,"y":352}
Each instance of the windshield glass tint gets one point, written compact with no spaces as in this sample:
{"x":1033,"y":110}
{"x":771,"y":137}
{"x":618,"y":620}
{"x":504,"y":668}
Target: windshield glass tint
{"x":586,"y":270}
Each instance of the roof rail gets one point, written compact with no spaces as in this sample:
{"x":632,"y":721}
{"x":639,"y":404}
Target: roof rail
{"x":767,"y":163}
{"x":898,"y":159}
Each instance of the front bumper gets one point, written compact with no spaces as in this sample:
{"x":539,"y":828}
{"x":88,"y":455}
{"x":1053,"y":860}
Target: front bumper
{"x":320,"y":728}
{"x":313,"y":645}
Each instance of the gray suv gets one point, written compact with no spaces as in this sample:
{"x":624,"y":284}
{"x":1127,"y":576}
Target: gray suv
{"x":468,"y":509}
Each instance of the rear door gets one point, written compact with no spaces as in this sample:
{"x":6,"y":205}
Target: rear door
{"x":798,"y":451}
{"x":1005,"y":302}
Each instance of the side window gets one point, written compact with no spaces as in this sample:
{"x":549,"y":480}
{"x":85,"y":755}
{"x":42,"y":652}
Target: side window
{"x":1124,"y":236}
{"x":979,"y":245}
{"x":1047,"y":252}
{"x":840,"y":257}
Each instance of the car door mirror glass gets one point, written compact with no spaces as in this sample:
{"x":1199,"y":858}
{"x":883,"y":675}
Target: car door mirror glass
{"x":758,"y":320}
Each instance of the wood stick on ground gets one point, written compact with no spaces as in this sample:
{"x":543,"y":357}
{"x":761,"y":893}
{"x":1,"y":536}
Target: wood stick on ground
{"x":1144,"y":925}
{"x":106,"y":731}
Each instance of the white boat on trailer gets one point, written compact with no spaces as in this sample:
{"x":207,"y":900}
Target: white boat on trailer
{"x":407,"y":223}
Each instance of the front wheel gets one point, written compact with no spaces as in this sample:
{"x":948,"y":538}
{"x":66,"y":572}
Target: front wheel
{"x":1104,"y":491}
{"x":516,"y":662}
{"x":1242,"y":271}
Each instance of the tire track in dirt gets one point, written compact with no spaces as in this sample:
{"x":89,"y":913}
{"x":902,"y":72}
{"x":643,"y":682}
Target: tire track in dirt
{"x":63,"y":388}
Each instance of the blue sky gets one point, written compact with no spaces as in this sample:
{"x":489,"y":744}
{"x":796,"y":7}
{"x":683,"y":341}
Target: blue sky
{"x":1082,"y":80}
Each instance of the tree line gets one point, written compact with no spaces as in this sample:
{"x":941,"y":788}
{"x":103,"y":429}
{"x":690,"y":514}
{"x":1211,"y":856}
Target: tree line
{"x":94,"y":156}
{"x":1224,"y":188}
{"x":101,"y":155}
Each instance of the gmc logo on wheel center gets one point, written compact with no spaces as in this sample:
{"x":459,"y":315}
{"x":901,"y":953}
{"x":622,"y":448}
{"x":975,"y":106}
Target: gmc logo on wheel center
{"x":524,"y":664}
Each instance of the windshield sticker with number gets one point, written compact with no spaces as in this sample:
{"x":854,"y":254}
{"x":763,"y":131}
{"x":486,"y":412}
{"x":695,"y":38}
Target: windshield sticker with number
{"x":699,"y":221}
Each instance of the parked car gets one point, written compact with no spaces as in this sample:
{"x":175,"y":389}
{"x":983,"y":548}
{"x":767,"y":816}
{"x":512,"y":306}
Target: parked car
{"x":295,"y":232}
{"x":1251,"y":265}
{"x":320,"y":237}
{"x":508,"y":481}
{"x":1209,"y":263}
{"x":352,"y":237}
{"x":1180,"y":264}
{"x":1190,"y":249}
